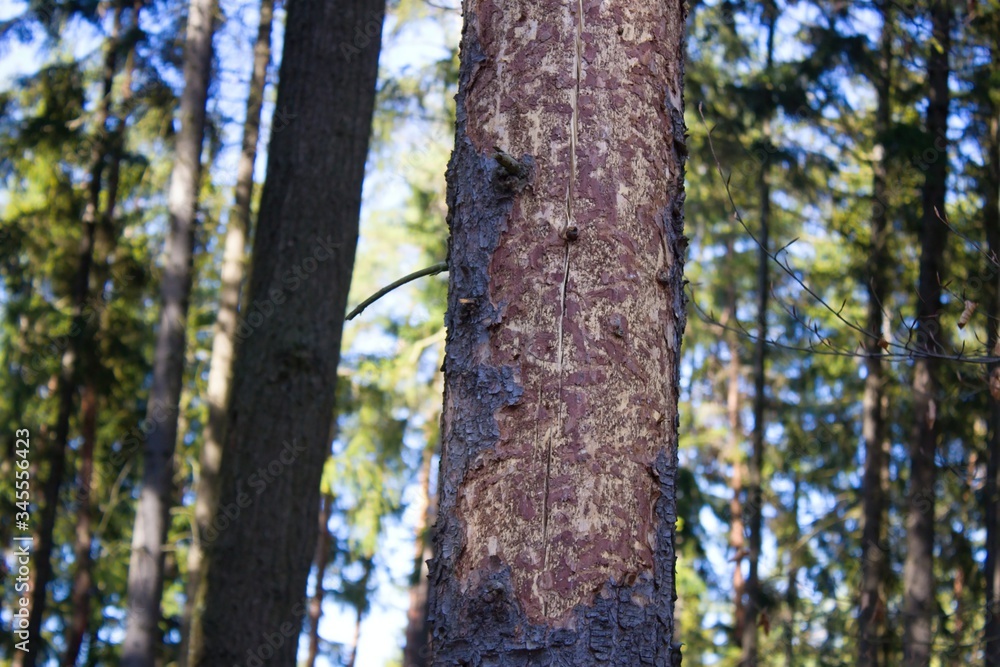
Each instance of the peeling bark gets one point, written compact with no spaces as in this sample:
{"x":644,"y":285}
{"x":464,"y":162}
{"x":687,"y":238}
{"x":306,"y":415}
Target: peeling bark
{"x":555,"y":535}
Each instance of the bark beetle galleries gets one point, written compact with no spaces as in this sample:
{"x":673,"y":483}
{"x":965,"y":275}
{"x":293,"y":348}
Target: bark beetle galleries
{"x":560,"y":420}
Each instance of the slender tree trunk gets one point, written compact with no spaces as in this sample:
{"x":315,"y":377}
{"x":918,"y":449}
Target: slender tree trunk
{"x":737,"y":529}
{"x":554,"y":542}
{"x":278,"y":431}
{"x":991,"y":216}
{"x":792,"y":591}
{"x":416,"y":651}
{"x":321,"y":559}
{"x":145,"y":577}
{"x":224,"y":338}
{"x":755,"y":497}
{"x":872,"y":607}
{"x":66,"y":387}
{"x":82,"y":580}
{"x":918,"y":569}
{"x":359,"y":615}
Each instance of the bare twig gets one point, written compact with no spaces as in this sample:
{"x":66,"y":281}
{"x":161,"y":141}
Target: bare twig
{"x":429,"y":271}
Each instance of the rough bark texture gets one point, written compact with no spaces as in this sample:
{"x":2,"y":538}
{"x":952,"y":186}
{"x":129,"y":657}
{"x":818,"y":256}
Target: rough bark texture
{"x":77,"y":345}
{"x":918,"y":569}
{"x":755,"y":495}
{"x":145,"y":575}
{"x":555,"y":535}
{"x":991,"y":215}
{"x":224,"y":337}
{"x":284,"y":377}
{"x":874,"y":561}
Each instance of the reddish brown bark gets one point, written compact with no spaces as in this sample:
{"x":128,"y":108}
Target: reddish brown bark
{"x":555,"y":532}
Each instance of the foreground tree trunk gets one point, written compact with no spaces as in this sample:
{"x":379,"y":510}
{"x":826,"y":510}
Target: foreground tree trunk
{"x":554,"y":542}
{"x":145,"y":574}
{"x":918,"y":569}
{"x":284,"y":377}
{"x":224,"y":338}
{"x":872,"y":603}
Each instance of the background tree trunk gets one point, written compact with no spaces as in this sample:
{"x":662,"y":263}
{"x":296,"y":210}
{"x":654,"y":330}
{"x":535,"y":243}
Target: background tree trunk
{"x":284,"y":379}
{"x":224,"y":337}
{"x":145,"y":575}
{"x":872,"y":607}
{"x":737,"y":529}
{"x":321,"y":559}
{"x":918,"y":570}
{"x":991,"y":215}
{"x":416,"y":653}
{"x":82,"y":580}
{"x":555,"y":534}
{"x":66,"y":387}
{"x":755,"y":494}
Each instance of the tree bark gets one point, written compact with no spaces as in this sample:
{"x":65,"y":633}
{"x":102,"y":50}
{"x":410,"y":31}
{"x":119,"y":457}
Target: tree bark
{"x":284,"y":377}
{"x":755,"y":497}
{"x":554,"y":542}
{"x":145,"y":577}
{"x":66,"y":387}
{"x":918,"y":569}
{"x":874,"y":561}
{"x":224,"y":338}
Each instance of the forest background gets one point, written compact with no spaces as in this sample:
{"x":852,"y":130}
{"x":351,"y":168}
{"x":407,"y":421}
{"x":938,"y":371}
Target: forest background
{"x":787,"y":99}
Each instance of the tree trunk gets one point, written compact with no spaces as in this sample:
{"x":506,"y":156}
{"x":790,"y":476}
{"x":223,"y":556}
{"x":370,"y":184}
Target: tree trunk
{"x":284,"y":379}
{"x":737,"y":529}
{"x":792,"y":591}
{"x":82,"y":580}
{"x":145,"y":576}
{"x":918,"y":568}
{"x":416,"y":651}
{"x":872,"y":607}
{"x":991,"y":216}
{"x":554,"y":542}
{"x":360,"y":610}
{"x":755,"y":497}
{"x":224,"y":338}
{"x":66,"y":387}
{"x":322,"y":556}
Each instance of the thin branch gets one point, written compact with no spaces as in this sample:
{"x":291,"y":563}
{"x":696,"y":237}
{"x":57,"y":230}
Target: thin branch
{"x":429,"y":271}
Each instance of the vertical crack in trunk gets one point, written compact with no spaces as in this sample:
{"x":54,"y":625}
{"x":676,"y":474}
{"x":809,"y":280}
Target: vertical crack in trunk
{"x":573,"y":137}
